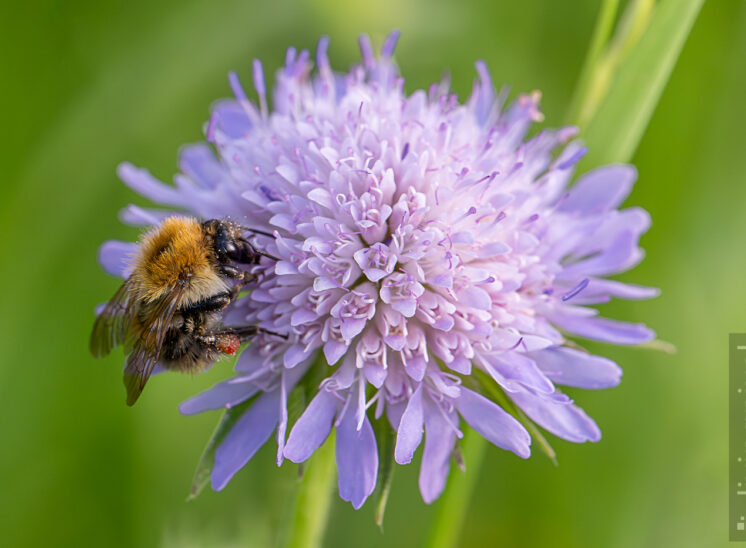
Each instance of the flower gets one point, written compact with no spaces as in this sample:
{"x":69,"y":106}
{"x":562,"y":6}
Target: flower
{"x":428,"y":254}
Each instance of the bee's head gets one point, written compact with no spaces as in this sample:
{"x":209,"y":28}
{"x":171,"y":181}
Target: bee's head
{"x":230,"y":245}
{"x":225,"y":239}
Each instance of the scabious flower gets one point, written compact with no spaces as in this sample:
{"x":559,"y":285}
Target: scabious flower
{"x":425,"y":247}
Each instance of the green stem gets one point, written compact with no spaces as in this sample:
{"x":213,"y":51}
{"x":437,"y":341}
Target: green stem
{"x":453,"y":504}
{"x":312,"y":503}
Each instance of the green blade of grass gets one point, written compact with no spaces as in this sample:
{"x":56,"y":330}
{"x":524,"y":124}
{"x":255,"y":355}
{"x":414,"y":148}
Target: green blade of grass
{"x":604,"y":56}
{"x":617,"y":127}
{"x":601,"y":34}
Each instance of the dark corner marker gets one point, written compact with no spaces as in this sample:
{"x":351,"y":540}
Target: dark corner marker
{"x":737,"y":438}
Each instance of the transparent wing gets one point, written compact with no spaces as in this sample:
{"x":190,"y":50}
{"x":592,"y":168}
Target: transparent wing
{"x":112,"y":325}
{"x":147,"y":348}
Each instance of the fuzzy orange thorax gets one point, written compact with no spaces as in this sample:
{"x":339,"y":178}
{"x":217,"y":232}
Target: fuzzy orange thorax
{"x":175,"y":251}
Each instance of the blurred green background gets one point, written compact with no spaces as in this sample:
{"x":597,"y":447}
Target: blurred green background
{"x":89,"y":84}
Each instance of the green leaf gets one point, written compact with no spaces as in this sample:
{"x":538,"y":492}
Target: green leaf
{"x":386,"y":438}
{"x":615,"y":130}
{"x":604,"y":26}
{"x":206,"y":462}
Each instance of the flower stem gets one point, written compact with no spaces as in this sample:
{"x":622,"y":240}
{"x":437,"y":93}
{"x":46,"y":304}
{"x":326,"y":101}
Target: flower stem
{"x":453,"y":504}
{"x":312,"y":503}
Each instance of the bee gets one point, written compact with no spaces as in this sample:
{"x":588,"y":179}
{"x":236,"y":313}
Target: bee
{"x":185,"y":273}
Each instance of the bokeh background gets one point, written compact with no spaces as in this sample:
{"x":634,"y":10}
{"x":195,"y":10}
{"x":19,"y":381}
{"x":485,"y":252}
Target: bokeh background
{"x":87,"y":84}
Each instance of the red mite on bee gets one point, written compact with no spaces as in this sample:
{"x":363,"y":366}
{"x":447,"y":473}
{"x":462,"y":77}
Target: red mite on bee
{"x":169,"y":310}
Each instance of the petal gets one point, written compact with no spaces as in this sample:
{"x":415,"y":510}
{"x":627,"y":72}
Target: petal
{"x":436,"y":458}
{"x":565,"y":420}
{"x":142,"y":182}
{"x":302,"y":315}
{"x":600,"y":190}
{"x":357,"y":460}
{"x":312,"y":428}
{"x":394,"y":412}
{"x":622,"y":254}
{"x":495,"y":424}
{"x":248,"y":435}
{"x":115,"y":257}
{"x":138,"y":216}
{"x":574,"y":368}
{"x":375,"y":373}
{"x":604,"y":329}
{"x":409,"y":434}
{"x":352,"y":327}
{"x":415,"y":367}
{"x":296,"y":354}
{"x":406,"y":307}
{"x":231,"y":118}
{"x":334,"y":350}
{"x":492,"y":249}
{"x":222,"y":395}
{"x":595,"y":236}
{"x":199,"y":163}
{"x":598,"y":290}
{"x":475,"y":297}
{"x":513,"y":369}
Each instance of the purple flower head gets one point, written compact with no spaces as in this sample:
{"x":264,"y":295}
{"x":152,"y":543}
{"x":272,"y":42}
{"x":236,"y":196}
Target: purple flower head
{"x":426,"y":249}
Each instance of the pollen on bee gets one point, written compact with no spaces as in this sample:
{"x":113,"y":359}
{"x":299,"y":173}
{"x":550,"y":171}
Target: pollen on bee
{"x":229,"y":344}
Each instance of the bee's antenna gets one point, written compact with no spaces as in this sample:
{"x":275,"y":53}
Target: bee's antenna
{"x":263,"y":254}
{"x":254,"y":249}
{"x":255,"y":231}
{"x":258,"y":251}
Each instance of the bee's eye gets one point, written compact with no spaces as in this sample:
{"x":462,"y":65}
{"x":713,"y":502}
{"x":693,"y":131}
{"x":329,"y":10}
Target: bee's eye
{"x":230,"y":248}
{"x":226,"y":249}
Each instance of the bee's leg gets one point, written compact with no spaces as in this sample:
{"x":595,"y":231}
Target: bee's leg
{"x":211,"y":304}
{"x":242,"y":277}
{"x":232,"y":272}
{"x":249,"y":331}
{"x":230,"y":339}
{"x":228,"y":343}
{"x":235,"y":273}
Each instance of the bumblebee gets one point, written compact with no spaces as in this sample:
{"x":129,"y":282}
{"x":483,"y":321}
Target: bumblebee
{"x":169,"y":310}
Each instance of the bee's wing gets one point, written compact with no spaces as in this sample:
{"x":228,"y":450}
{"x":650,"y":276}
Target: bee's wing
{"x":110,"y":329}
{"x":147,"y":347}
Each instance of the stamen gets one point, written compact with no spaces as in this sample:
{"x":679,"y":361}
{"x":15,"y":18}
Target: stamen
{"x":574,"y":159}
{"x":471,"y":211}
{"x":211,"y":128}
{"x":289,"y":60}
{"x":261,"y":90}
{"x":390,"y":44}
{"x":243,"y":100}
{"x":575,"y":290}
{"x":366,"y":50}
